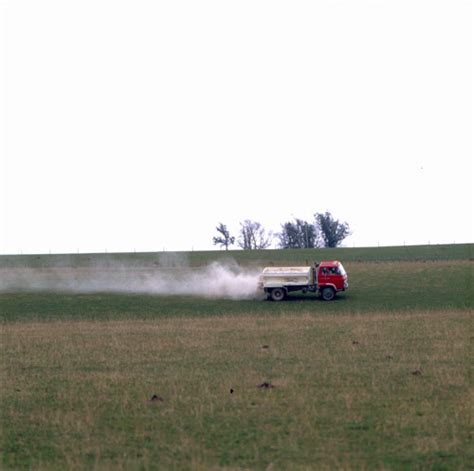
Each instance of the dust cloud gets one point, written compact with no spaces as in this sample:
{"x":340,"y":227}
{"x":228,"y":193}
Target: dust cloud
{"x":172,"y":275}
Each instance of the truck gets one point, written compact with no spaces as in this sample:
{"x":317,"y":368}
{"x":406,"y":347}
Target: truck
{"x":326,"y":278}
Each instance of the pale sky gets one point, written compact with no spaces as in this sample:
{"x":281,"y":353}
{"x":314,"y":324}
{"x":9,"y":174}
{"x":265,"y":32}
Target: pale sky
{"x":140,"y":125}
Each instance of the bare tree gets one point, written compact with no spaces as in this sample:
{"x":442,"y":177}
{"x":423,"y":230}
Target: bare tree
{"x":225,"y":239}
{"x":253,"y":236}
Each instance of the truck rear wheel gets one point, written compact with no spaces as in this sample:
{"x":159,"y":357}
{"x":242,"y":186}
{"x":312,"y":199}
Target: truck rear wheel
{"x":277,"y":294}
{"x":328,"y":294}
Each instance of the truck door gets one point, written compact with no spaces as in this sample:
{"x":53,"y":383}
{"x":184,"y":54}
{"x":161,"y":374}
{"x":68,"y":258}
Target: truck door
{"x":331,"y":276}
{"x":322,"y":276}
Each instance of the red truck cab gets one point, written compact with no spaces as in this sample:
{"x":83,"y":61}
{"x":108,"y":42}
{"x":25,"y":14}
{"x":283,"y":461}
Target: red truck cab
{"x":331,"y":278}
{"x":326,"y":278}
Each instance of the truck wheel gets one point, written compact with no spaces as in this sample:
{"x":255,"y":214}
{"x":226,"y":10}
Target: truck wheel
{"x":328,"y":294}
{"x":278,"y":294}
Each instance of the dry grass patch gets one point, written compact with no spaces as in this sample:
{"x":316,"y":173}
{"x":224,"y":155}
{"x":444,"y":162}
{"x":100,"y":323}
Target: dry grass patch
{"x":346,"y":393}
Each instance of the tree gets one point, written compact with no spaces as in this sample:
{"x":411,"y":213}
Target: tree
{"x":332,"y":231}
{"x":253,"y":236}
{"x":298,"y":235}
{"x":225,"y":239}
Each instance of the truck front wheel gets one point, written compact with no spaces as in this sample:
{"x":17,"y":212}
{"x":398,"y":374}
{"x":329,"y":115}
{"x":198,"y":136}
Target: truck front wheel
{"x":277,"y":294}
{"x":328,"y":294}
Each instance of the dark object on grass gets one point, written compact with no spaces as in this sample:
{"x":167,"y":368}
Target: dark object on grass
{"x":231,"y":390}
{"x":388,"y":357}
{"x":265,"y":346}
{"x":155,"y":398}
{"x":266,"y":385}
{"x":355,"y":342}
{"x":417,"y":372}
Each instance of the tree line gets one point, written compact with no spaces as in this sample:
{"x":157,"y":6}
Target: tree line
{"x":324,"y":231}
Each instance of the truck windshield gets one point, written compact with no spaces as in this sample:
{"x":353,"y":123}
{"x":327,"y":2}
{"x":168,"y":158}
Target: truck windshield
{"x":341,"y":270}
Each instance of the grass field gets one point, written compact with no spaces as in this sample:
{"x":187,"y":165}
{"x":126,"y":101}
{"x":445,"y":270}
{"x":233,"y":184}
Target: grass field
{"x":246,"y":257}
{"x":381,"y":378}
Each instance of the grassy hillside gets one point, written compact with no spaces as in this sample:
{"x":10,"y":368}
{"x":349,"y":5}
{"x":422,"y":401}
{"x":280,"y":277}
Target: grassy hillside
{"x":378,"y":379}
{"x":246,"y":257}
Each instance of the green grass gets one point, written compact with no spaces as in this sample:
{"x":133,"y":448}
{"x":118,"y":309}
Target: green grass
{"x":78,"y":370}
{"x":384,"y":286}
